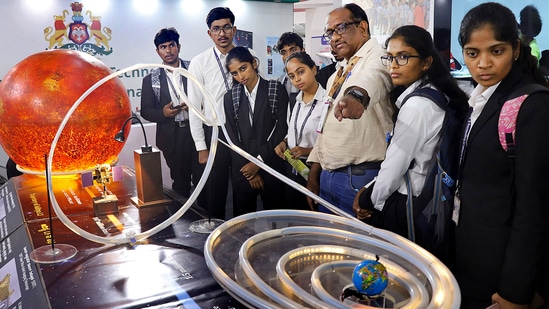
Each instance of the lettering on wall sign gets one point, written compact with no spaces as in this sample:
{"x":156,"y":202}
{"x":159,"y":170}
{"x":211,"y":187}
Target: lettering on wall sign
{"x":79,"y":35}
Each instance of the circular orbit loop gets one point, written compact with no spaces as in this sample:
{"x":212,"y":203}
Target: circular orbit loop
{"x":215,"y":123}
{"x":135,"y":237}
{"x":417,"y":292}
{"x":243,"y":233}
{"x":419,"y":301}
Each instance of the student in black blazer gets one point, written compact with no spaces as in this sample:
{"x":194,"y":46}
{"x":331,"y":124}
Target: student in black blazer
{"x":161,"y":104}
{"x":502,"y":233}
{"x":255,"y":128}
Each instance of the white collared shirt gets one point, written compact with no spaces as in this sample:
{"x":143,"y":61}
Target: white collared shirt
{"x":176,"y":100}
{"x":479,"y":98}
{"x":251,"y":98}
{"x":307,"y":131}
{"x":208,"y":72}
{"x":416,"y":135}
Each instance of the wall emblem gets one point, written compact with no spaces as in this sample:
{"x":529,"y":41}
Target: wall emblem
{"x":78,"y":35}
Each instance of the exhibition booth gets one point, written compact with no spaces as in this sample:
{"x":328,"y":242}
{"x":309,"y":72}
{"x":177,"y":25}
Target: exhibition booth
{"x":92,"y":221}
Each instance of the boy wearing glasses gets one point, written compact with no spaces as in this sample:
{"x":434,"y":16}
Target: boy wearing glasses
{"x":209,"y":68}
{"x":348,"y":153}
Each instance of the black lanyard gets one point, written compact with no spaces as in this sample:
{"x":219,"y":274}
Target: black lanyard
{"x":466,"y":133}
{"x":299,"y":137}
{"x":221,"y":69}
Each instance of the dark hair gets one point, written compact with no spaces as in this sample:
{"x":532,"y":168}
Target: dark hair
{"x":499,"y":17}
{"x":357,"y":13}
{"x":166,"y":35}
{"x":530,"y":22}
{"x":302,"y":57}
{"x":438,"y":73}
{"x":288,"y":39}
{"x":219,"y":13}
{"x":503,"y":23}
{"x":241,"y":54}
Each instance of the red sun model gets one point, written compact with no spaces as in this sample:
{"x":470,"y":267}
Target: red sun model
{"x":35,"y":96}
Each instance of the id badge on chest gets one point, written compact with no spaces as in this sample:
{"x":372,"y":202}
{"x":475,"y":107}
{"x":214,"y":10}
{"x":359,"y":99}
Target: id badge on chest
{"x":324,"y":114}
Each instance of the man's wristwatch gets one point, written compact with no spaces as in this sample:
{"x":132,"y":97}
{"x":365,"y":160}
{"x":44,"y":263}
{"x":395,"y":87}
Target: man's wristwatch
{"x":357,"y":94}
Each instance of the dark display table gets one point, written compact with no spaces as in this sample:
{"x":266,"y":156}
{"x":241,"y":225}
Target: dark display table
{"x":165,"y":270}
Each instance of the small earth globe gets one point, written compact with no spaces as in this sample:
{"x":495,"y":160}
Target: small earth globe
{"x":370,"y":277}
{"x":35,"y":96}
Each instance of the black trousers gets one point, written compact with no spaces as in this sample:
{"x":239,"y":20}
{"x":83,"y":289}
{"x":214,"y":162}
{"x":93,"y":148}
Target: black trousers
{"x":213,"y":197}
{"x":245,"y":198}
{"x":294,"y":199}
{"x":183,"y":160}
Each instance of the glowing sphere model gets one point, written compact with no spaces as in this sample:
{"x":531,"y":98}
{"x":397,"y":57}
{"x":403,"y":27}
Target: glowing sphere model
{"x":370,"y":277}
{"x":35,"y":96}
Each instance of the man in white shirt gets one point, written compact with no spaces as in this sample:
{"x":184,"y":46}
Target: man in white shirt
{"x":210,"y":69}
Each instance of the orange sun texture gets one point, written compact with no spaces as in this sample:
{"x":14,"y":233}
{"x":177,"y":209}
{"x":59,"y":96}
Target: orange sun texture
{"x":35,"y":96}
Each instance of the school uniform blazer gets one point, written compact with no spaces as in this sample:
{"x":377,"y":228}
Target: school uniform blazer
{"x":255,"y":140}
{"x":502,"y":235}
{"x":152,"y":111}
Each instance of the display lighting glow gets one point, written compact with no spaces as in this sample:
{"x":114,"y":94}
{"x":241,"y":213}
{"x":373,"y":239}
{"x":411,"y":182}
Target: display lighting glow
{"x":238,"y":7}
{"x":98,"y":6}
{"x":38,"y":6}
{"x":197,"y":6}
{"x":146,"y":7}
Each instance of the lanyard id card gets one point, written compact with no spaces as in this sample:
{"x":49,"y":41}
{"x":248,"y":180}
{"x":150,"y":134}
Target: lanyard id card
{"x":324,"y":114}
{"x":340,"y":78}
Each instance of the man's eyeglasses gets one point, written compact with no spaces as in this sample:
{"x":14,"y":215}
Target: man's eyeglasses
{"x":226,"y":29}
{"x":400,"y":59}
{"x":339,"y":29}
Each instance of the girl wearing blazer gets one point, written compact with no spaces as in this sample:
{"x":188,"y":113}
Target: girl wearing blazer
{"x":256,"y":127}
{"x":502,"y":232}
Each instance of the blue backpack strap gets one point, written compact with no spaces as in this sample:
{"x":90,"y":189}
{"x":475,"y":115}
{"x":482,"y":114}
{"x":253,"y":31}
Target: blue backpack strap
{"x":410,"y":209}
{"x":441,"y":101}
{"x":432,"y":94}
{"x":435,"y":168}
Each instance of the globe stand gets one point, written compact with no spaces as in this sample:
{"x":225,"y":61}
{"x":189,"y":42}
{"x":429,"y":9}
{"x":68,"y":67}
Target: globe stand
{"x":54,"y":253}
{"x":350,"y":293}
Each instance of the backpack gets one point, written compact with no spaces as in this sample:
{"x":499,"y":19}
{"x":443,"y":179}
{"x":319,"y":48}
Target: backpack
{"x":430,"y":214}
{"x":507,"y":122}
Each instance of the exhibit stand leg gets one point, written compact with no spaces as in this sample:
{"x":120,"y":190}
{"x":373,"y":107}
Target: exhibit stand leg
{"x":56,"y":252}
